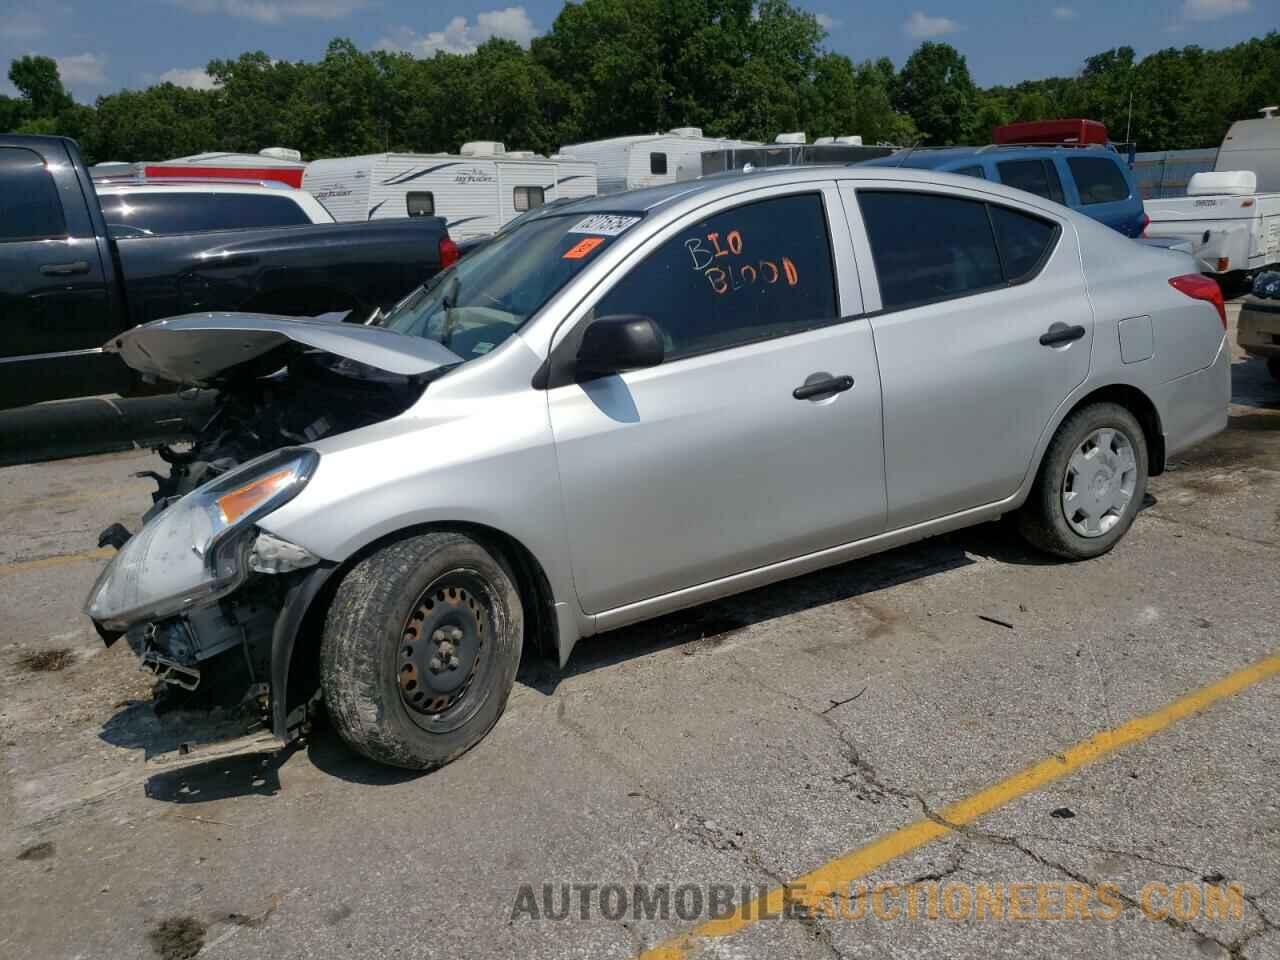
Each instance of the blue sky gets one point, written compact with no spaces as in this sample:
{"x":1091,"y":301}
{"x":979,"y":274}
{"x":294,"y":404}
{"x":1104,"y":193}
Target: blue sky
{"x":104,"y":46}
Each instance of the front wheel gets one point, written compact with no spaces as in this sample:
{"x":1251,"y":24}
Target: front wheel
{"x":420,"y":649}
{"x":1090,"y":486}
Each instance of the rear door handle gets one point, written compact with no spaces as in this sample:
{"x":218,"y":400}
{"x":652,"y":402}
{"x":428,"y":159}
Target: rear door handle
{"x":1059,"y":333}
{"x":818,"y":385}
{"x":65,"y":269}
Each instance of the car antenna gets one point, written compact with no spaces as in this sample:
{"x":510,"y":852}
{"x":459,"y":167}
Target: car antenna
{"x":910,"y":150}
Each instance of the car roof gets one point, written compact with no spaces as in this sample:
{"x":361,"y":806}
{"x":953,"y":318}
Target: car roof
{"x":182,"y":185}
{"x":937,"y":158}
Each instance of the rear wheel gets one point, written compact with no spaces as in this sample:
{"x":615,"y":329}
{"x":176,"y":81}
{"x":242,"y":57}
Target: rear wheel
{"x":420,"y":649}
{"x":1090,"y":486}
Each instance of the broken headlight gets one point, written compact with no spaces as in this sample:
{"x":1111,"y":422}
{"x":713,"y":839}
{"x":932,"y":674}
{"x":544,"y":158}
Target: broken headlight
{"x":198,"y":549}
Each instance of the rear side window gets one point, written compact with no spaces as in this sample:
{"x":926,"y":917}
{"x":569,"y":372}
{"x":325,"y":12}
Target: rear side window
{"x":755,"y":272}
{"x":1023,"y":241}
{"x":29,"y":204}
{"x":1034,"y":176}
{"x":420,"y":203}
{"x":528,"y":198}
{"x":928,"y":247}
{"x":971,"y":172}
{"x":658,"y":163}
{"x":1098,"y":179}
{"x":161,"y":214}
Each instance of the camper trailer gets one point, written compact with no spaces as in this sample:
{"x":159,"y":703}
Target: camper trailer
{"x":792,"y":149}
{"x":476,"y":190}
{"x":625,"y":163}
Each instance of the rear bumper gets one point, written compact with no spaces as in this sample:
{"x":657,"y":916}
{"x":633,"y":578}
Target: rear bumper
{"x":1195,"y":406}
{"x":1258,"y":329}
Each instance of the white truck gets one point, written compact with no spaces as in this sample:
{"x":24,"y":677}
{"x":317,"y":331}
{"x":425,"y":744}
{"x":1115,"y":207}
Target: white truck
{"x":1230,"y":217}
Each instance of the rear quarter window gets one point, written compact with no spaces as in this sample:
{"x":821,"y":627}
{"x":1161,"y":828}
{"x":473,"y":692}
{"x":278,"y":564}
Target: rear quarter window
{"x":1098,"y":179}
{"x":163,"y":214}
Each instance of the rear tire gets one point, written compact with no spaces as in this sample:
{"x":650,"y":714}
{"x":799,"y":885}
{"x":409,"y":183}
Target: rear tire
{"x":420,"y":649}
{"x":1090,"y":486}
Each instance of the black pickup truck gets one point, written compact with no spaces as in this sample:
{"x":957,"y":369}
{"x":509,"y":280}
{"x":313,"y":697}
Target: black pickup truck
{"x":67,"y":286}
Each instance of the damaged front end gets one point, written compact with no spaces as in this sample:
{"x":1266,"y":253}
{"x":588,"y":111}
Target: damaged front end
{"x":208,"y":601}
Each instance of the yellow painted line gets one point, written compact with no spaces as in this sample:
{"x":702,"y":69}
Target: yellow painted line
{"x":838,"y":873}
{"x":21,"y":566}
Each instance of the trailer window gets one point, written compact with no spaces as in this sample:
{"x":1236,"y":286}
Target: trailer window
{"x":658,"y":163}
{"x":420,"y":203}
{"x":29,"y":205}
{"x":528,"y":198}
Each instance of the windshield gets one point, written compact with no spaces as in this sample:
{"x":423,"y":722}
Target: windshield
{"x":490,"y":294}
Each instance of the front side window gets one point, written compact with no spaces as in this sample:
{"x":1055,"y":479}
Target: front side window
{"x":29,"y":204}
{"x":153,"y":214}
{"x":929,"y":246}
{"x":1098,"y":179}
{"x":755,"y":272}
{"x":528,"y":198}
{"x":489,"y":294}
{"x":1034,"y":176}
{"x":420,"y":203}
{"x":658,"y":163}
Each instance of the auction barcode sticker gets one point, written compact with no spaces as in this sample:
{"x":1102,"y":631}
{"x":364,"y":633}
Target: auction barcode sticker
{"x":604,"y":224}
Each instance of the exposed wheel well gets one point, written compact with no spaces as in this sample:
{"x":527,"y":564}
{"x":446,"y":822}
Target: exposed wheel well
{"x":531,"y":582}
{"x":1137,"y":403}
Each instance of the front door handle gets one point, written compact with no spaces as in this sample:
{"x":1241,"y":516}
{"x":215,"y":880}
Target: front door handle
{"x":1059,"y":333}
{"x":820,"y":385}
{"x":65,"y":269}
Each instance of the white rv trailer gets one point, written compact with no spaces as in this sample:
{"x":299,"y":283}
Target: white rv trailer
{"x":648,"y":160}
{"x":476,"y":190}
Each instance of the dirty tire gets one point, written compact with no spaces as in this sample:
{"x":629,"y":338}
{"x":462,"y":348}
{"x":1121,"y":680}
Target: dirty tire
{"x":364,"y":639}
{"x":1042,"y":521}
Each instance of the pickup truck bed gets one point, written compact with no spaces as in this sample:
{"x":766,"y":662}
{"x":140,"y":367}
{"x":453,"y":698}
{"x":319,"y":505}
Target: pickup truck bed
{"x":67,"y":287}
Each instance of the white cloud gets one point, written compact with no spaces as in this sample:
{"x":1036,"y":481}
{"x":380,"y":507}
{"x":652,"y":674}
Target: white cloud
{"x":826,"y":21}
{"x":22,"y":25}
{"x":461,"y":36}
{"x":1214,"y":9}
{"x":83,"y":71}
{"x":1064,"y":13}
{"x":195,"y":78}
{"x":276,"y":11}
{"x":921,"y":26}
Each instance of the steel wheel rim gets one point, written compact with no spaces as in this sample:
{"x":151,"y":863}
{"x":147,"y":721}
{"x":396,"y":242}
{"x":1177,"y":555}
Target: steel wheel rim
{"x":1099,"y":482}
{"x":443,"y":651}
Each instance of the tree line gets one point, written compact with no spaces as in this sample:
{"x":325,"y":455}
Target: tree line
{"x":739,"y":68}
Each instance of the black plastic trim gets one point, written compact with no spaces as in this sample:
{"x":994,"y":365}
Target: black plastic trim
{"x":284,"y":637}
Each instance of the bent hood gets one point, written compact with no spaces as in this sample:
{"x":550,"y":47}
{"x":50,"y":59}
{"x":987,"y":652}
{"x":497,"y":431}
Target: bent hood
{"x":202,"y":347}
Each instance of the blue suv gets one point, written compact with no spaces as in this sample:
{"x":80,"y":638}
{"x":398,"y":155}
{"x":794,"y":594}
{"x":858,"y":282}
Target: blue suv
{"x":1094,"y":180}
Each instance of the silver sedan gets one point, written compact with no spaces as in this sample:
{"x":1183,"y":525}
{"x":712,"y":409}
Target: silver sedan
{"x":638,"y":403}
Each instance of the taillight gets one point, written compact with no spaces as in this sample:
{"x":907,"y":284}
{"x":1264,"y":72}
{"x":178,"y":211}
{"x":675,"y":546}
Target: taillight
{"x":448,"y":253}
{"x":1199,"y":287}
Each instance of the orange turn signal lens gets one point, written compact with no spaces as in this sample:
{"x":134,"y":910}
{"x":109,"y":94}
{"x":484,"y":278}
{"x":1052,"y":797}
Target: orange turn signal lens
{"x":240,"y":501}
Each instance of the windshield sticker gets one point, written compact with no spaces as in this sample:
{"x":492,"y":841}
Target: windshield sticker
{"x":604,"y":224}
{"x":582,"y":248}
{"x":729,"y":276}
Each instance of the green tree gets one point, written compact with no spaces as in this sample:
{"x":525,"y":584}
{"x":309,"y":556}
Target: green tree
{"x":936,"y":91}
{"x":38,"y":81}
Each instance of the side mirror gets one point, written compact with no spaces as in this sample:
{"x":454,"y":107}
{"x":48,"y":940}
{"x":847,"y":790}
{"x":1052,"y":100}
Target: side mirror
{"x":618,"y":343}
